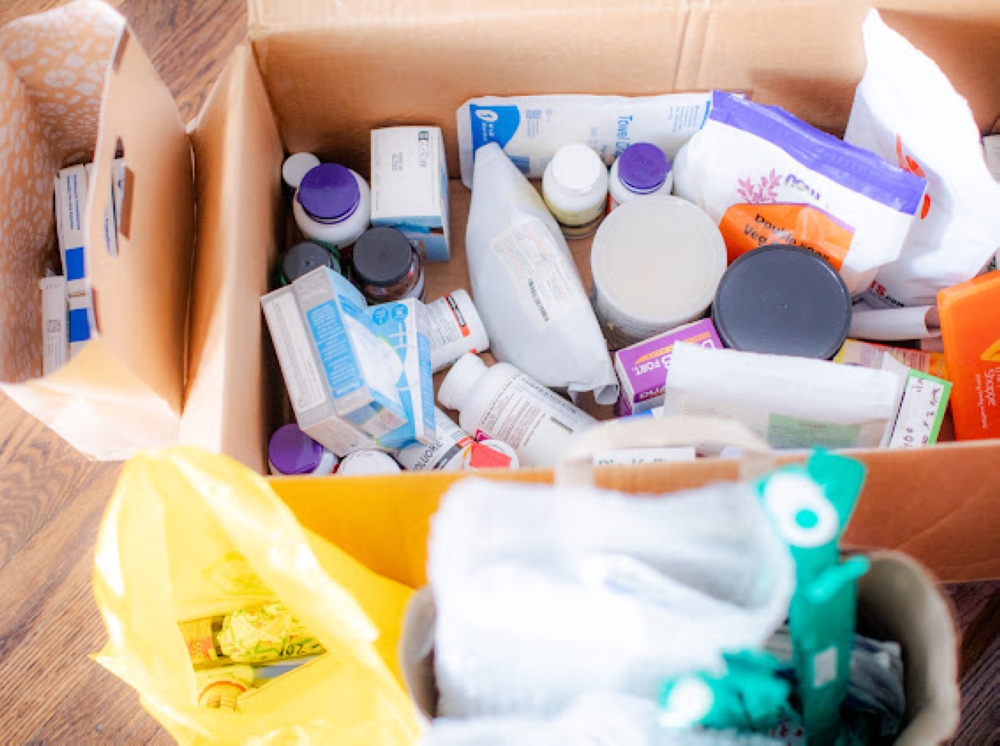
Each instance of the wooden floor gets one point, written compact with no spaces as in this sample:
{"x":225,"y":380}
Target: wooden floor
{"x":51,"y":499}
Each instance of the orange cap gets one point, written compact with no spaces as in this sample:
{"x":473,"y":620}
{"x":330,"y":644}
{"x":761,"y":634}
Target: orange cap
{"x":970,"y":328}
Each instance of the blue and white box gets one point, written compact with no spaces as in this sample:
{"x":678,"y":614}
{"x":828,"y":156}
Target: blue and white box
{"x":71,"y":212}
{"x":410,"y":187}
{"x":403,"y":326}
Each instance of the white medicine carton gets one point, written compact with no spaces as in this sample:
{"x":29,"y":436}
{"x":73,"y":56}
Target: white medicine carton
{"x":71,"y":206}
{"x":409,"y":183}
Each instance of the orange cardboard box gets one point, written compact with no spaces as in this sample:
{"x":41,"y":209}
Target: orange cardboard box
{"x":970,"y":328}
{"x":182,"y":350}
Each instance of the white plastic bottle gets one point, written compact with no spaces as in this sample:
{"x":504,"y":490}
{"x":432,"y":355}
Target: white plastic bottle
{"x":332,"y":206}
{"x":575,"y":188}
{"x":502,"y":402}
{"x":455,"y":329}
{"x":447,"y":454}
{"x":295,"y":167}
{"x":641,"y":169}
{"x":367,"y":463}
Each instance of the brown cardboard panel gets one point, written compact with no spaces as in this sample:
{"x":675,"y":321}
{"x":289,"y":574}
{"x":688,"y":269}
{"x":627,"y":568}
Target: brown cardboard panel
{"x":141,"y":295}
{"x":329,"y":86}
{"x":28,"y":164}
{"x":238,"y":177}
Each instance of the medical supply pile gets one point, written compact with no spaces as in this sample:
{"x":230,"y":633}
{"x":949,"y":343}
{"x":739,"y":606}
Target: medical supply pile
{"x":812,"y":336}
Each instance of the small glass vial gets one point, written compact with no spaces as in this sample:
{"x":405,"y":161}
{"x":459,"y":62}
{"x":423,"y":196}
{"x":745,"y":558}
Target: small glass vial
{"x":303,"y":258}
{"x":291,"y":451}
{"x":386,"y":267}
{"x":575,"y":188}
{"x":332,"y":206}
{"x":640,"y":170}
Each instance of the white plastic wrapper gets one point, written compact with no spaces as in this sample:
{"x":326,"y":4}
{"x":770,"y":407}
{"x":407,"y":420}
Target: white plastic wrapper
{"x":907,"y":111}
{"x":526,"y":287}
{"x":530,"y":129}
{"x":891,"y":324}
{"x":543,"y":595}
{"x":791,"y":402}
{"x":765,"y":176}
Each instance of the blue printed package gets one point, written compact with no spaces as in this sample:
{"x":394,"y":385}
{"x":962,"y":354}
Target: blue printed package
{"x":530,"y":129}
{"x":409,"y":183}
{"x":324,"y":325}
{"x":403,"y":326}
{"x":79,"y":323}
{"x":71,"y":209}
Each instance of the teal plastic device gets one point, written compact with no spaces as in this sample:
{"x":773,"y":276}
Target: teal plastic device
{"x":811,"y":506}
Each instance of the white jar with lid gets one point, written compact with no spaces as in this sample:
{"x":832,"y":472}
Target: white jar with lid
{"x":290,"y":451}
{"x":575,"y":188}
{"x":295,"y":168}
{"x":332,"y":206}
{"x":656,"y":263}
{"x":640,"y":170}
{"x":367,"y":463}
{"x":503,"y":403}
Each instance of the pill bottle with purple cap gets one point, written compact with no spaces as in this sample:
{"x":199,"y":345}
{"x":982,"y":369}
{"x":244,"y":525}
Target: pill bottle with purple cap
{"x":332,"y":206}
{"x":291,"y":451}
{"x":641,"y":169}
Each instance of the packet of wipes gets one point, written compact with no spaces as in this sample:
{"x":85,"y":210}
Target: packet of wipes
{"x":791,"y":402}
{"x":767,"y":177}
{"x":907,"y":111}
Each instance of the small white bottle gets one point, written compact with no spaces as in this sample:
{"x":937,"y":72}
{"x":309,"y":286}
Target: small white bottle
{"x":503,"y":403}
{"x":448,"y":452}
{"x":641,"y":169}
{"x":455,"y":329}
{"x":291,"y":452}
{"x":332,"y":206}
{"x":575,"y":188}
{"x":366,"y":463}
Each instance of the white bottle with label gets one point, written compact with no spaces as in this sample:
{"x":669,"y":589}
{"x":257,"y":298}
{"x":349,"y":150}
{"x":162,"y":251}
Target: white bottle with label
{"x":455,"y":329}
{"x":446,"y":454}
{"x":575,"y":188}
{"x":503,"y":403}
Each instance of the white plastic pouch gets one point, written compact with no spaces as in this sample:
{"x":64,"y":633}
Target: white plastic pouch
{"x":530,"y":129}
{"x":907,"y":111}
{"x":767,"y":177}
{"x":526,"y":287}
{"x":525,"y":577}
{"x":791,"y":402}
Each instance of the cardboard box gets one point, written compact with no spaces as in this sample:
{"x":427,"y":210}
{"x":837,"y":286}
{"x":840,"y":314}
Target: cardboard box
{"x":166,"y":341}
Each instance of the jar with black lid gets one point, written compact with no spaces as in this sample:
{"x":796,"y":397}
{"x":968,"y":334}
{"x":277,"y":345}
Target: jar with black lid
{"x":386,"y":266}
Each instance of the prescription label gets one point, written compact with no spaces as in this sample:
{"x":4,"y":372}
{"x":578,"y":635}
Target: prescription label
{"x":548,"y":287}
{"x":925,"y":399}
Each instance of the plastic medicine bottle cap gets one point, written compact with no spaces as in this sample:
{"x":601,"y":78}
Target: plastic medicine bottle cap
{"x":382,"y":256}
{"x":303,"y":258}
{"x":329,"y":193}
{"x":461,"y":380}
{"x":291,"y":451}
{"x":782,"y":300}
{"x":577,"y":168}
{"x":296,"y":166}
{"x":643,"y":167}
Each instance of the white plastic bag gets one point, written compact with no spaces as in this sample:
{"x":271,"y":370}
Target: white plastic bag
{"x":526,"y":287}
{"x":767,"y":177}
{"x":525,"y":577}
{"x":791,"y":402}
{"x":530,"y":129}
{"x":907,"y":111}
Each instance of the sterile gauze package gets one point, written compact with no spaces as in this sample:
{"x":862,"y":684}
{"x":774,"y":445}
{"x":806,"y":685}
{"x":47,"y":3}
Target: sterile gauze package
{"x":767,"y":177}
{"x":530,"y":129}
{"x":526,"y":287}
{"x":543,"y":595}
{"x":791,"y":402}
{"x":907,"y":111}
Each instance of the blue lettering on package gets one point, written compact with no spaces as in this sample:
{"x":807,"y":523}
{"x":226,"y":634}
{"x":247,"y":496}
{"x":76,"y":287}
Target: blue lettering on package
{"x":79,"y":325}
{"x":342,"y":372}
{"x":493,"y":124}
{"x":426,"y":379}
{"x":74,"y":264}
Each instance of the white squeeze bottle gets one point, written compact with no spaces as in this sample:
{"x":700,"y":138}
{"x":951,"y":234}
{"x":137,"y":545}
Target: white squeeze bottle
{"x":502,"y":402}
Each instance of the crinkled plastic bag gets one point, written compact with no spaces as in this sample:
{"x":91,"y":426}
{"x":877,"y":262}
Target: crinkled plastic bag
{"x":527,"y":288}
{"x":907,"y":111}
{"x":525,"y":577}
{"x":189,"y":535}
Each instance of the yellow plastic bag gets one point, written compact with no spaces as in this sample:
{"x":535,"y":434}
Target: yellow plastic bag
{"x":189,"y":535}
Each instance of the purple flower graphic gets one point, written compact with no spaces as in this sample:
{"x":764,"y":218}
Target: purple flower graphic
{"x":766,"y":192}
